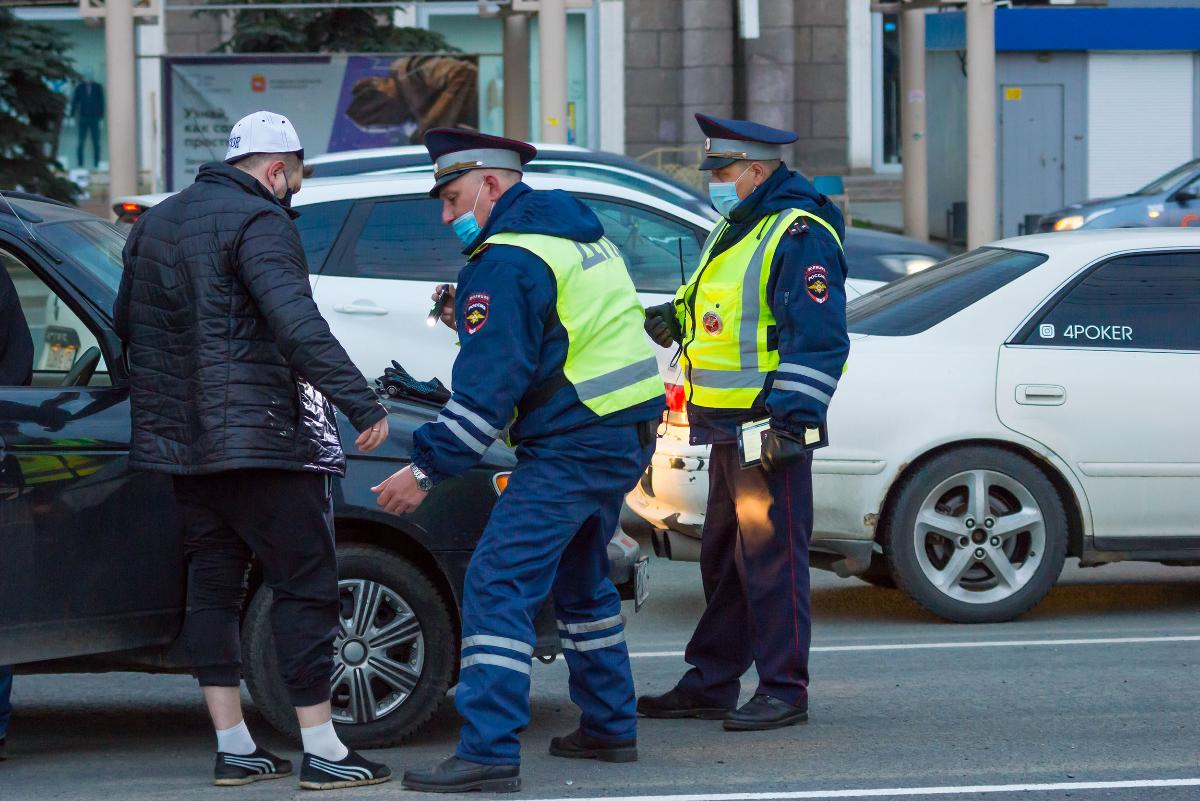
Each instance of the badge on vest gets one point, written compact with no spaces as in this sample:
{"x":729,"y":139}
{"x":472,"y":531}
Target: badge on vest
{"x":712,"y":323}
{"x":816,"y":281}
{"x":475,"y":313}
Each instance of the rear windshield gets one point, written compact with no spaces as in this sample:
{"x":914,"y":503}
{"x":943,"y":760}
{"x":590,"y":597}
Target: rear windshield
{"x":920,"y":301}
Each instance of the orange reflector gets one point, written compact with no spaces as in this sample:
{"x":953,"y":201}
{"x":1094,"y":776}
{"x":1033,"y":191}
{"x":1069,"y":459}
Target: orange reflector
{"x":500,"y":482}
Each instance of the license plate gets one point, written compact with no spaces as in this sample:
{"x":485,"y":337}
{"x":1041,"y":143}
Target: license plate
{"x":641,"y":582}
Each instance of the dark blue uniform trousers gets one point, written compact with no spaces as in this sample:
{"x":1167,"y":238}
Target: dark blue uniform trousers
{"x":549,"y":532}
{"x":754,"y":564}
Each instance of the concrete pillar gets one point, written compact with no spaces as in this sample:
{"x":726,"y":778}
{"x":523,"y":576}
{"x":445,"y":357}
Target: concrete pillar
{"x":122,"y":98}
{"x":913,"y":141}
{"x":552,"y":55}
{"x":516,"y":76}
{"x":981,"y":122}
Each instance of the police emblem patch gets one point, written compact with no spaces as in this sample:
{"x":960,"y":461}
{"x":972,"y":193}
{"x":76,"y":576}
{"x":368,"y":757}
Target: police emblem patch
{"x":712,"y":322}
{"x":816,"y":281}
{"x":475,"y":313}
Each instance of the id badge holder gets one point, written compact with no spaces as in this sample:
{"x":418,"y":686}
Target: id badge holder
{"x":750,"y":437}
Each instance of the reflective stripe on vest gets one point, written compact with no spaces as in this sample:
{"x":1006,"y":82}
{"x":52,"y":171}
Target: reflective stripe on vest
{"x":609,"y":362}
{"x":726,"y":317}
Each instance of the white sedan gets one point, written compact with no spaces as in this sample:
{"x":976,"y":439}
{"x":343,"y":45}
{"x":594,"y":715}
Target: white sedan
{"x":1012,"y":406}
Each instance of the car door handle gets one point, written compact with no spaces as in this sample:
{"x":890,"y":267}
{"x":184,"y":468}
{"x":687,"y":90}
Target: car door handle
{"x":1041,"y":395}
{"x":360,"y":307}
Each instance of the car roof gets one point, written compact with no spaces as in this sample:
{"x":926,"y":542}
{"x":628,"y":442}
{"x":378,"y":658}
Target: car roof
{"x":1086,"y":245}
{"x":414,"y":150}
{"x":35,"y":210}
{"x":349,"y":187}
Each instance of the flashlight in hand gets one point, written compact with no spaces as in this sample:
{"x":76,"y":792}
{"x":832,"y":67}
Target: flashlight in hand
{"x":435,"y":313}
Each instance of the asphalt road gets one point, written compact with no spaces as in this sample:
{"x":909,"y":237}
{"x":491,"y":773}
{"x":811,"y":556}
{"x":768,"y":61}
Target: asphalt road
{"x":1093,"y":695}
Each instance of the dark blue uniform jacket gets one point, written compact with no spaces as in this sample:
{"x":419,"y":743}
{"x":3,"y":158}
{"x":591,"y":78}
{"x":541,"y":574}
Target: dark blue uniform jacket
{"x":806,"y":293}
{"x":510,"y":339}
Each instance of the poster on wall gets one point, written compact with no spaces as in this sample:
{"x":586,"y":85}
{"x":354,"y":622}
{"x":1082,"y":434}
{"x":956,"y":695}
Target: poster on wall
{"x":336,"y":102}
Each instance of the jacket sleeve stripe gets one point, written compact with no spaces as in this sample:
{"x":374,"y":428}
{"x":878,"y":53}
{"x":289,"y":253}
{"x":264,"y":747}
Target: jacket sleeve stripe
{"x":804,"y":389}
{"x":456,"y":408}
{"x":460,"y":432}
{"x":808,"y":372}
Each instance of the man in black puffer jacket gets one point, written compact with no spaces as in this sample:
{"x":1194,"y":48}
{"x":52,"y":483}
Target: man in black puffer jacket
{"x":230,"y":367}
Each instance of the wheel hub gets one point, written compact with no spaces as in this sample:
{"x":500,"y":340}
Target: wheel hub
{"x":354,"y":653}
{"x":978,"y":536}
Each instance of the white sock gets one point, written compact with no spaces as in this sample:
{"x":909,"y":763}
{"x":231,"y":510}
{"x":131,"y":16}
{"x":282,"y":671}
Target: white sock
{"x":322,"y":741}
{"x":236,"y":741}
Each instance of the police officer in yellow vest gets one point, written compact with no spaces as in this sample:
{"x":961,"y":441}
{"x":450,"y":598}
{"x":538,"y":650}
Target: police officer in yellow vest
{"x":552,"y":350}
{"x":762,"y":323}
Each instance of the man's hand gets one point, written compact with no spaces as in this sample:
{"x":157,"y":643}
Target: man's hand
{"x":448,"y":306}
{"x":400,"y":494}
{"x":373,"y":437}
{"x":662,"y":325}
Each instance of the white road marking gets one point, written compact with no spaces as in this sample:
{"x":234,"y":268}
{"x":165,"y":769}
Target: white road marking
{"x":892,"y":792}
{"x":929,"y":646}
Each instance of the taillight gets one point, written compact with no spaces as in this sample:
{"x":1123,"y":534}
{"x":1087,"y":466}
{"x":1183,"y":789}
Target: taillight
{"x":500,"y":482}
{"x":676,"y":399}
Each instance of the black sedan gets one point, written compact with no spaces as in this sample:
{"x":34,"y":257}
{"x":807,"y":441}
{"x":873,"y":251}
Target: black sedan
{"x":92,"y":574}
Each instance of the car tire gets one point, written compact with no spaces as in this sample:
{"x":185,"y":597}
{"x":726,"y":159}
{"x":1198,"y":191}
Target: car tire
{"x":968,"y":570}
{"x":405,"y":596}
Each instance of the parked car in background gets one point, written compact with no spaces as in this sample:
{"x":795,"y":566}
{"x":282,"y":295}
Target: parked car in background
{"x":92,"y":575}
{"x":1170,"y":200}
{"x":1007,"y":408}
{"x":377,"y":248}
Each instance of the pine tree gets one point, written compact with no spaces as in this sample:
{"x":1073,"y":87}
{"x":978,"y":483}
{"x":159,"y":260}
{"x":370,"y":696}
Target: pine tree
{"x":31,"y":111}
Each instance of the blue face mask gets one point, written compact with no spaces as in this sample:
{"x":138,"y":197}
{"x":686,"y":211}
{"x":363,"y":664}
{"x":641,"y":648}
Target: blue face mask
{"x":466,"y":227}
{"x":724,"y":196}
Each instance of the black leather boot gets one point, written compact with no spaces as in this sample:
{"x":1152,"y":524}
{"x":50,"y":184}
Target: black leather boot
{"x":763,"y":712}
{"x":678,"y":704}
{"x":578,"y":745}
{"x":456,"y":775}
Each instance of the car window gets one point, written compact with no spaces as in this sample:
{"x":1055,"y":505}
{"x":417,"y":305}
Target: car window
{"x":1145,"y":301}
{"x":94,"y":245}
{"x":403,"y":239}
{"x":58,"y":335}
{"x":649,"y":241}
{"x":918,"y":302}
{"x":1165,"y":182}
{"x":319,"y":226}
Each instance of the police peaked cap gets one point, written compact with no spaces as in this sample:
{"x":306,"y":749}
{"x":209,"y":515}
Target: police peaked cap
{"x":456,"y":151}
{"x":727,"y":141}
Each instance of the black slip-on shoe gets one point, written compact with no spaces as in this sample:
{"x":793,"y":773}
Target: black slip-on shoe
{"x":762,"y":712}
{"x":578,"y":745}
{"x":352,"y":771}
{"x":456,"y":775}
{"x":678,"y":704}
{"x":233,"y":770}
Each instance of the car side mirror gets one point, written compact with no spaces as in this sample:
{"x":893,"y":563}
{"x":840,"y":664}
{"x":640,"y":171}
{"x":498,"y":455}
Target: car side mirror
{"x":1185,"y":195}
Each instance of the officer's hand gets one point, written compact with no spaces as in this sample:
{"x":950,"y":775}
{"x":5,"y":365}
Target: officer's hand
{"x":780,"y":450}
{"x":662,"y":326}
{"x":371,"y":438}
{"x":400,"y":494}
{"x":448,"y":307}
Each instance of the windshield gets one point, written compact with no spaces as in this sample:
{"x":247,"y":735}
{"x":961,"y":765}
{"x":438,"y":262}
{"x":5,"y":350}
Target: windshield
{"x":922,"y":300}
{"x":1164,"y":183}
{"x":93,"y":245}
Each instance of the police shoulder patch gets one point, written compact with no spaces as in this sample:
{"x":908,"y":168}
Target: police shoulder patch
{"x":816,"y":281}
{"x":475,"y":313}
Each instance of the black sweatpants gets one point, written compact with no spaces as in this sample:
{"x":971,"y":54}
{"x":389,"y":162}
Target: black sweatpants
{"x":285,"y":518}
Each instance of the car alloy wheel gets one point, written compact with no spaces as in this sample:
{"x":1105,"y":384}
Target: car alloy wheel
{"x":378,"y":654}
{"x":980,"y":536}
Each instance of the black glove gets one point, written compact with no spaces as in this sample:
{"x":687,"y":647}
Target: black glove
{"x":396,"y":382}
{"x":780,"y":449}
{"x":663,"y":326}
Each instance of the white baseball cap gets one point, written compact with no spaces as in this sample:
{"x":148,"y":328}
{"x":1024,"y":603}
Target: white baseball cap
{"x":262,"y":132}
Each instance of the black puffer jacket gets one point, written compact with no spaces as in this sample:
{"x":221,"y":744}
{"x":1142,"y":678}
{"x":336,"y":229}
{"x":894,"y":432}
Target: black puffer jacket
{"x":229,"y":355}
